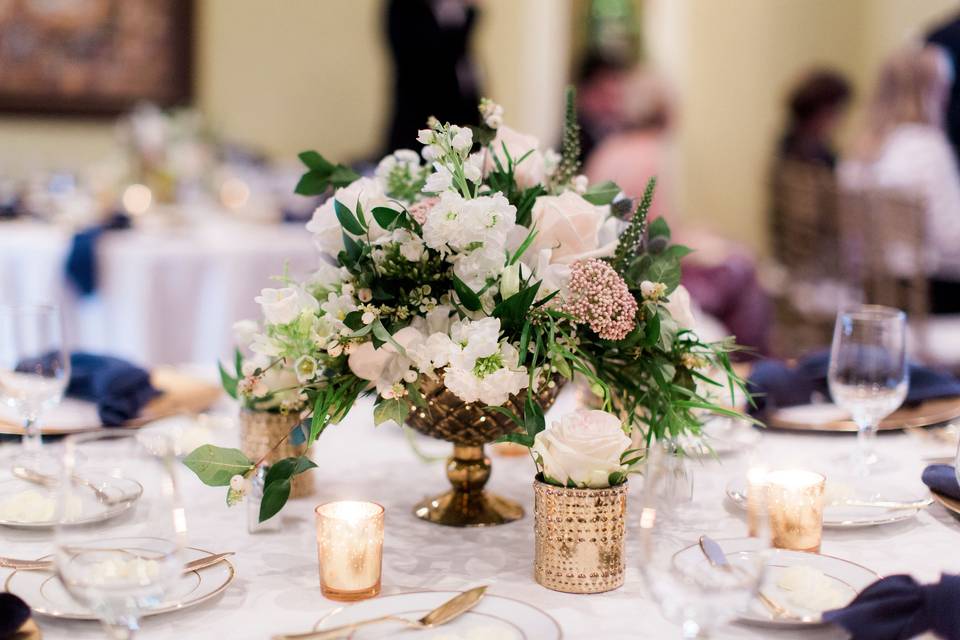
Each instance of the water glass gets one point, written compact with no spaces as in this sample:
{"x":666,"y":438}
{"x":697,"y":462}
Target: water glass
{"x":868,"y":374}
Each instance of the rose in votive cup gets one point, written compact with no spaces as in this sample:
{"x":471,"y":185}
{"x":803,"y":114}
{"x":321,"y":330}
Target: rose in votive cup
{"x":795,"y":507}
{"x":350,"y":549}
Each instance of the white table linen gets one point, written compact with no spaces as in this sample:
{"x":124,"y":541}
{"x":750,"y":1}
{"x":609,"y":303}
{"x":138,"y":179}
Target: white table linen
{"x":165,"y":295}
{"x":277,"y":586}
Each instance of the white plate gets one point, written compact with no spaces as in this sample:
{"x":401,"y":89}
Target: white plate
{"x":46,"y":596}
{"x":841,"y":516}
{"x":848,"y":577}
{"x":493,"y":618}
{"x":124,"y":491}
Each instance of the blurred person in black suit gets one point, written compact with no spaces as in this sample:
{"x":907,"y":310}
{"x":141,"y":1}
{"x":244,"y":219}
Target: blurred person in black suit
{"x":947,"y":37}
{"x":433,"y":72}
{"x":816,"y":105}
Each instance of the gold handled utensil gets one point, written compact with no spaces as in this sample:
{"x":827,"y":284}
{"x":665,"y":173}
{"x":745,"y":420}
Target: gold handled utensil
{"x":446,"y":612}
{"x":44,"y":480}
{"x":47,"y":565}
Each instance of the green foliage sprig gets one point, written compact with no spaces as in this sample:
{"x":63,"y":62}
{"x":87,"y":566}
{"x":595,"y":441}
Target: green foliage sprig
{"x":632,"y":240}
{"x":570,"y":146}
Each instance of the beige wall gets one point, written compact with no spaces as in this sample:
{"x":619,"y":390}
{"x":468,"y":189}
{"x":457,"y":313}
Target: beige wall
{"x":732,"y":62}
{"x":314,"y":73}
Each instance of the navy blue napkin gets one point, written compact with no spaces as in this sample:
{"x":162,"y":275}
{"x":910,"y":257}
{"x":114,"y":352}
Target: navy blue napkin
{"x":776,"y":385}
{"x":898,"y":608}
{"x":119,"y":389}
{"x":14,"y":613}
{"x":81,"y":263}
{"x":942,"y":478}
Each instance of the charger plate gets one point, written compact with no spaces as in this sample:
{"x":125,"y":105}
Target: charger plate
{"x":181,"y":393}
{"x":828,"y":417}
{"x":45,"y":595}
{"x":493,"y":617}
{"x":950,"y":504}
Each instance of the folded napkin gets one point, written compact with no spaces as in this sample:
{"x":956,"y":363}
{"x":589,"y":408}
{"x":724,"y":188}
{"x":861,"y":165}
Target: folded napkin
{"x":119,"y":388}
{"x":942,"y":478}
{"x":898,"y":608}
{"x":14,"y":613}
{"x":775,"y":385}
{"x":82,"y":260}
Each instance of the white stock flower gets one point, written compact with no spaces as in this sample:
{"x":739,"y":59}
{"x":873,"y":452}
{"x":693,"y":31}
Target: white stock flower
{"x":326,"y":276}
{"x":282,"y":306}
{"x":529,"y":171}
{"x":404,"y":158}
{"x":439,"y":181}
{"x":680,"y":309}
{"x":479,"y":265}
{"x":491,"y":380}
{"x":491,"y":113}
{"x":584,"y":448}
{"x":461,"y":138}
{"x":411,"y":246}
{"x":473,"y":167}
{"x":425,"y":136}
{"x":244,"y":332}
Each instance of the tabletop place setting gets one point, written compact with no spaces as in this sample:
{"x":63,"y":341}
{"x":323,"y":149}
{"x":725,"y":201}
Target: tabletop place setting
{"x":488,"y":384}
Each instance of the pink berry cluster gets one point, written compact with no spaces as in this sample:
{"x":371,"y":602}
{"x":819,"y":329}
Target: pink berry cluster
{"x":600,"y":297}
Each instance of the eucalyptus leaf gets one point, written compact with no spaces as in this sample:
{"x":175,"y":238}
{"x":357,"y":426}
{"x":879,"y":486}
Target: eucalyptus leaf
{"x":602,"y":193}
{"x":215,"y":466}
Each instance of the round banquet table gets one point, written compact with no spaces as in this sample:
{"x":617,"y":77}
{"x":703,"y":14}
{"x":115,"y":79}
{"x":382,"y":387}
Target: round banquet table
{"x":164,"y":295}
{"x":277,"y":587}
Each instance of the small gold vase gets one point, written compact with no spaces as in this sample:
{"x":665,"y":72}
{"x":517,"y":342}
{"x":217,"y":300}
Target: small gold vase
{"x":580,"y":536}
{"x":260,"y":430}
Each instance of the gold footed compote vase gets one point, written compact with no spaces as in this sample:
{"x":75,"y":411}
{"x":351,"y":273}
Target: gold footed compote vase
{"x":469,"y":426}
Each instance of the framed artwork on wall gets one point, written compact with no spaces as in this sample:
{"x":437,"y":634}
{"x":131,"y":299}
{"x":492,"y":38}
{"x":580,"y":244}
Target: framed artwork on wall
{"x":94,"y":56}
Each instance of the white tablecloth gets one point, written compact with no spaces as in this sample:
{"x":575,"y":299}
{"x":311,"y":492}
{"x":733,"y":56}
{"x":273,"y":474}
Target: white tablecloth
{"x":164,"y":295}
{"x":277,"y":587}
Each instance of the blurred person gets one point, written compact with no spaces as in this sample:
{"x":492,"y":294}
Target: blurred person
{"x":903,"y":145}
{"x":643,"y":148}
{"x":816,"y":105}
{"x":434,"y":74}
{"x":947,"y":36}
{"x":601,"y":91}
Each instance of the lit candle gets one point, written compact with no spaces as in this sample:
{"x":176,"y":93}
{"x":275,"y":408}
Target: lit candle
{"x":795,"y":506}
{"x":350,"y":549}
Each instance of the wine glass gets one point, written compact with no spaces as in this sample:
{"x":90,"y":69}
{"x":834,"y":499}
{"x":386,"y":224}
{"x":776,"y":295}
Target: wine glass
{"x":34,"y":369}
{"x":122,"y":567}
{"x":868,"y":374}
{"x":690,"y":589}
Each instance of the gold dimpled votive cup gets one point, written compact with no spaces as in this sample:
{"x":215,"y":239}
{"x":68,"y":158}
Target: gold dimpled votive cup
{"x":350,"y":549}
{"x":795,"y":507}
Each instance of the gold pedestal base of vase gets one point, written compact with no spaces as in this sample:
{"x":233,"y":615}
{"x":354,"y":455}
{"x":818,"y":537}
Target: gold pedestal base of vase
{"x":468,"y":505}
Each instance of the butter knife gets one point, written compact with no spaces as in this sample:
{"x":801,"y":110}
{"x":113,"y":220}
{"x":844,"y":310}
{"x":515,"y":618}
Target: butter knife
{"x":47,"y":565}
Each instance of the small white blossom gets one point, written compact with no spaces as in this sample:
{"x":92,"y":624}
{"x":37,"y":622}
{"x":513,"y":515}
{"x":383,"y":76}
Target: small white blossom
{"x":305,"y":368}
{"x":461,"y":138}
{"x":652,"y":290}
{"x":365,"y":295}
{"x":368,"y":317}
{"x":473,"y":167}
{"x":425,"y":136}
{"x":491,"y":113}
{"x":438,"y":181}
{"x":237,"y":483}
{"x":580,"y":184}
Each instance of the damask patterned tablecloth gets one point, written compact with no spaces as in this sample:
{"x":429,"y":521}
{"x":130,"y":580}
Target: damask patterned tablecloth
{"x":277,"y":588}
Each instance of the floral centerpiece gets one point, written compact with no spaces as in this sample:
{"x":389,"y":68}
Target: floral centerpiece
{"x":476,"y":275}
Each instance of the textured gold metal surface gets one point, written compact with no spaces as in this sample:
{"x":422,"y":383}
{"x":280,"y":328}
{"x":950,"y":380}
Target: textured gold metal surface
{"x":580,"y":537}
{"x":260,"y":430}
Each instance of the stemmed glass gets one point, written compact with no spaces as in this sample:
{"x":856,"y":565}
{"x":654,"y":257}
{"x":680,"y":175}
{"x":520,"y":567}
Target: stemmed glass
{"x":122,"y":567}
{"x":688,"y":587}
{"x":868,"y":373}
{"x":34,"y":368}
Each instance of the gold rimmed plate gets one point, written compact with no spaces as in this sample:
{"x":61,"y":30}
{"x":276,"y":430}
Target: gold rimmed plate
{"x":46,"y":596}
{"x":831,"y":418}
{"x":950,"y":504}
{"x":116,"y":496}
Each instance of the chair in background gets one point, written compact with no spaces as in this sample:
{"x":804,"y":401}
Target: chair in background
{"x":805,"y":281}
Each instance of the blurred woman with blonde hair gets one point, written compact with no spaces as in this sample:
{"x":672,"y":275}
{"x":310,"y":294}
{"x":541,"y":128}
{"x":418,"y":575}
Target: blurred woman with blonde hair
{"x":903,"y":146}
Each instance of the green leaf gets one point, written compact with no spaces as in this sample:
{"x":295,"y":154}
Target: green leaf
{"x":351,"y":248}
{"x":533,"y":420}
{"x":238,"y":362}
{"x":506,"y":412}
{"x":343,"y":176}
{"x":380,"y":332}
{"x":361,"y":217}
{"x":229,"y":382}
{"x":659,"y":228}
{"x":617,"y":477}
{"x":385,"y":216}
{"x":391,"y":409}
{"x":468,"y":298}
{"x":652,"y":331}
{"x":354,"y":320}
{"x":312,"y":183}
{"x":275,"y":495}
{"x":517,"y":438}
{"x":513,"y":311}
{"x":524,"y":246}
{"x":602,"y":193}
{"x":216,"y":465}
{"x":315,"y":161}
{"x":347,"y":220}
{"x":665,"y":269}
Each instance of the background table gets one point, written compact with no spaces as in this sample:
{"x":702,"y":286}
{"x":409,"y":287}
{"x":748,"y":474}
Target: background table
{"x":277,"y":586}
{"x":165,"y":295}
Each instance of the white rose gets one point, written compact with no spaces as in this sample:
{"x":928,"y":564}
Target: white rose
{"x":680,"y":308}
{"x":325,"y":227}
{"x":530,"y":171}
{"x":583,"y":447}
{"x":282,"y":306}
{"x":570,"y":227}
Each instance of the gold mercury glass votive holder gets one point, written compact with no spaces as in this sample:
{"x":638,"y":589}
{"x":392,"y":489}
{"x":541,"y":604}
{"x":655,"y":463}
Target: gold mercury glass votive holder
{"x":350,"y":549}
{"x":580,"y":536}
{"x":794,"y":499}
